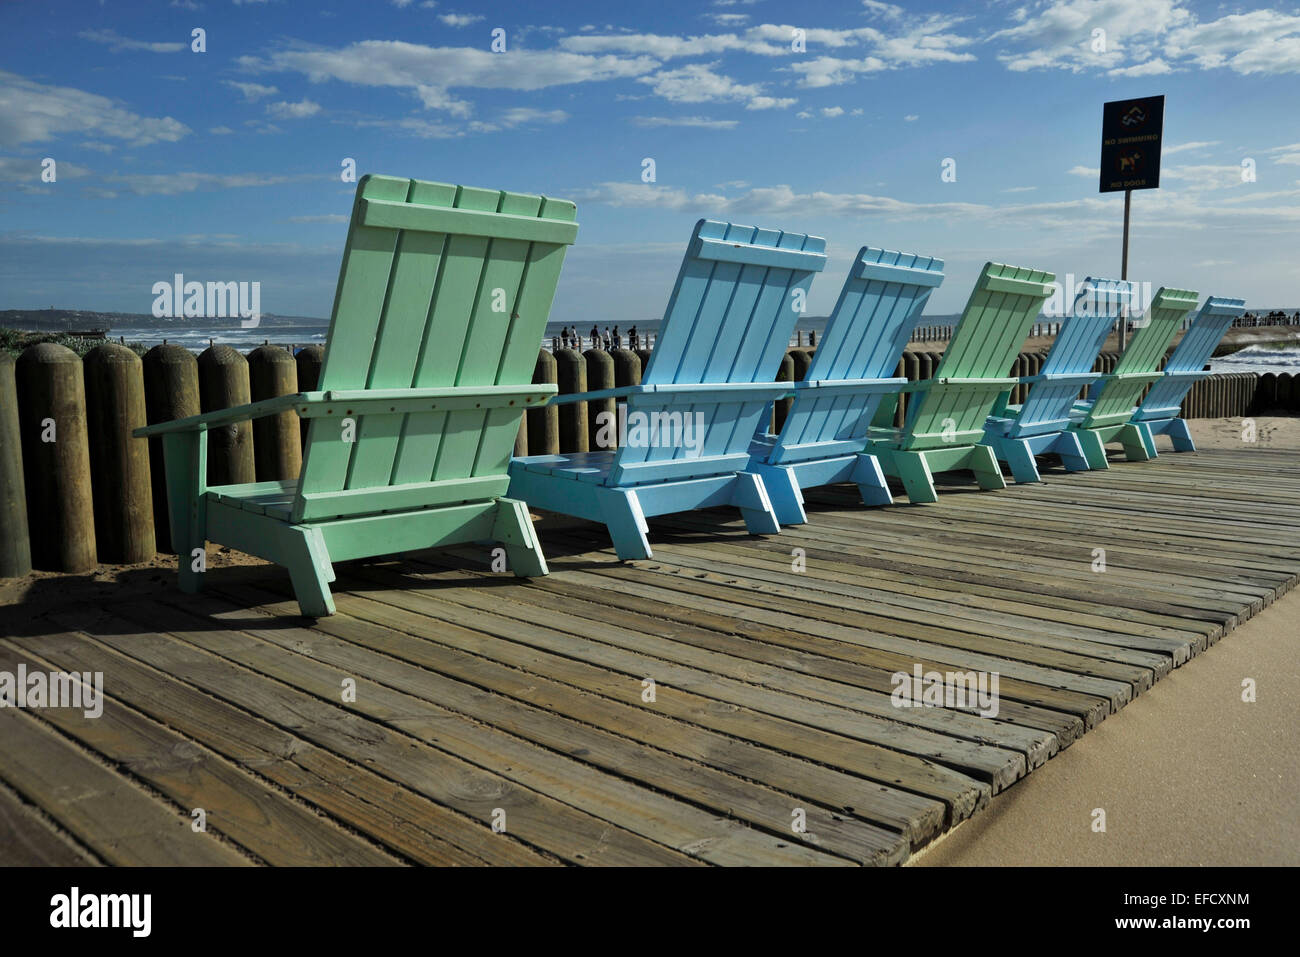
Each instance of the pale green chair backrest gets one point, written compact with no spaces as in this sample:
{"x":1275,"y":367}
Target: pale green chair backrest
{"x":1139,"y":366}
{"x":974,"y":370}
{"x":441,"y":286}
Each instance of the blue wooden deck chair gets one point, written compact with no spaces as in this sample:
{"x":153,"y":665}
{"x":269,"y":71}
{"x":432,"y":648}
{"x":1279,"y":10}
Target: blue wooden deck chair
{"x":823,"y":436}
{"x":946,"y":414}
{"x":1160,"y":409}
{"x":688,"y":426}
{"x":442,"y":299}
{"x":1107,"y":415}
{"x":1042,"y":424}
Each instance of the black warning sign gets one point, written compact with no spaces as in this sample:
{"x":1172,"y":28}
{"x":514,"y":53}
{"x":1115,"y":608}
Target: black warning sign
{"x":1130,"y":143}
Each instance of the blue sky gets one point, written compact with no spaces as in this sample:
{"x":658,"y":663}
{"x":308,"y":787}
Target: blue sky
{"x":225,"y":165}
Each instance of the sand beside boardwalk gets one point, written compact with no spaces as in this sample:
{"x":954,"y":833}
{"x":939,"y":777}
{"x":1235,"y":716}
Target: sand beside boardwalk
{"x":1188,"y":774}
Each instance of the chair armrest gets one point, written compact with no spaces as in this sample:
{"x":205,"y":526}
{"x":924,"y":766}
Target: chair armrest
{"x":237,"y":413}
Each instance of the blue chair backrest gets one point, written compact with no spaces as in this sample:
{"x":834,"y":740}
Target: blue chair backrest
{"x":738,"y":296}
{"x":1074,"y":353}
{"x":878,"y":309}
{"x":1190,"y":356}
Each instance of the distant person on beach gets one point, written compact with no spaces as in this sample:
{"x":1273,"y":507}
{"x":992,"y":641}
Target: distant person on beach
{"x":618,"y":340}
{"x":595,"y":336}
{"x":631,"y":338}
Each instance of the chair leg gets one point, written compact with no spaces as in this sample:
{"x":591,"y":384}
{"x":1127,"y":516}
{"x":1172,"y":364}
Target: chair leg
{"x":750,"y":496}
{"x":311,"y":572}
{"x":1094,"y":449}
{"x":513,"y":528}
{"x":870,"y":479}
{"x":1181,"y":436}
{"x":186,"y":462}
{"x":988,"y":474}
{"x":1139,"y":445}
{"x":1021,"y":459}
{"x":783,"y":492}
{"x":621,"y":511}
{"x":915,"y":475}
{"x":1071,"y":452}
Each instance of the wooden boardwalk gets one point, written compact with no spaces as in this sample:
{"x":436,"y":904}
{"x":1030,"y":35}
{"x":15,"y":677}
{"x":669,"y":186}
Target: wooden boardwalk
{"x":481,"y":698}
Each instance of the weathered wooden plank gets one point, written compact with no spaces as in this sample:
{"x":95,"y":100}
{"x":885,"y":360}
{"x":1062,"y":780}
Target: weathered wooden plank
{"x":410,"y":825}
{"x":119,"y":821}
{"x":536,"y":818}
{"x":28,"y":839}
{"x":262,"y":821}
{"x":916,"y":817}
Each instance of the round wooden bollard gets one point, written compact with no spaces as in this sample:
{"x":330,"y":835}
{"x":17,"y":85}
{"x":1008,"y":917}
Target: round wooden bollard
{"x":627,"y":368}
{"x":15,"y":545}
{"x":123,"y":494}
{"x":309,"y":360}
{"x":544,"y":423}
{"x":781,"y":408}
{"x":1265,"y":394}
{"x":644,"y":356}
{"x":571,"y":376}
{"x":1293,"y":391}
{"x":600,"y":375}
{"x":56,"y":458}
{"x":802,"y":359}
{"x":171,"y":391}
{"x":223,"y":383}
{"x":277,"y":439}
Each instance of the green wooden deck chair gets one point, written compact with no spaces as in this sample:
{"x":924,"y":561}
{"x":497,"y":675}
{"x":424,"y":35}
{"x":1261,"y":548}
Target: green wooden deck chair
{"x":1107,"y":415}
{"x":441,"y":303}
{"x":946,"y":414}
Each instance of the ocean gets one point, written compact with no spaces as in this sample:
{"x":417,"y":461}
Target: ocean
{"x":1261,"y":359}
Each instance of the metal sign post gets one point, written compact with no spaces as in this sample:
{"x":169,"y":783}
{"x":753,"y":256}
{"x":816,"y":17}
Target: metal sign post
{"x":1131,"y":131}
{"x":1123,"y":273}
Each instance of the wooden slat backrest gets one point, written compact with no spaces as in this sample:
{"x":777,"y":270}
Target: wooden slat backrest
{"x":879,"y":307}
{"x":1138,"y":367}
{"x":728,"y":320}
{"x":992,"y":328}
{"x":440,"y":285}
{"x":1191,"y":354}
{"x":1206,"y":332}
{"x":1074,"y":353}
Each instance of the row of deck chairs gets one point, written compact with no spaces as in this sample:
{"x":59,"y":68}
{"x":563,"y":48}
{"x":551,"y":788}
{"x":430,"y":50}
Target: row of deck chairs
{"x":444,"y":294}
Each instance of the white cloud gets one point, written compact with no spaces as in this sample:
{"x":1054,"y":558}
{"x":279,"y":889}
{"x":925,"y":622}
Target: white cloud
{"x":1172,"y":211}
{"x":174,"y":184}
{"x":522,"y":114}
{"x":1148,"y":38}
{"x":832,"y":111}
{"x":697,"y":83}
{"x":1286,"y":155}
{"x":1184,"y":147}
{"x":252,"y":91}
{"x":432,"y":72}
{"x":459,"y":19}
{"x":1263,"y":41}
{"x":834,"y":71}
{"x":32,"y":112}
{"x":1156,"y":67}
{"x":703,"y":122}
{"x":293,"y":111}
{"x":911,"y":118}
{"x":1085,"y":171}
{"x":221,"y":130}
{"x":120,"y":44}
